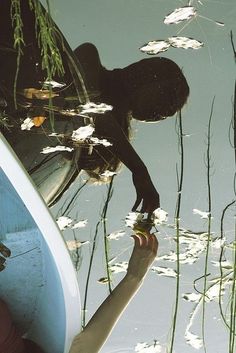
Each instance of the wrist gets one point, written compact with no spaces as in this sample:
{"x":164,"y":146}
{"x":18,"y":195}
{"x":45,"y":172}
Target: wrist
{"x":136,"y":279}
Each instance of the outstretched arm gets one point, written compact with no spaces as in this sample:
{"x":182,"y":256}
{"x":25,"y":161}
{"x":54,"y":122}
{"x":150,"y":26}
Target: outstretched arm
{"x":92,"y":338}
{"x":107,"y":126}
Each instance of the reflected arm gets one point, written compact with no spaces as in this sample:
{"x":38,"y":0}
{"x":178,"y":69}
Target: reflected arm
{"x":107,"y":126}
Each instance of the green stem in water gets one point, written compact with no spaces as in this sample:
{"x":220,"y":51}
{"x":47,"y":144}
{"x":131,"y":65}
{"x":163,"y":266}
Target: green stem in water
{"x":177,"y":222}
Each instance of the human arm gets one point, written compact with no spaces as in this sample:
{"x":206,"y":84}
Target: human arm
{"x":92,"y":338}
{"x":147,"y":196}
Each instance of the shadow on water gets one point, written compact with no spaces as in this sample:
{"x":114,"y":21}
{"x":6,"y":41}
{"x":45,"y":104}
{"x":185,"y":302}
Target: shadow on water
{"x":69,"y":120}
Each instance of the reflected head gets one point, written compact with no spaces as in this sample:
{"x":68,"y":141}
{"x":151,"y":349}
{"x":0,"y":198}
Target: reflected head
{"x":156,"y":88}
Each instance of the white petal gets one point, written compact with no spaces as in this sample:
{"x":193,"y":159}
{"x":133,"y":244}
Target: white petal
{"x":82,"y":133}
{"x":164,"y":271}
{"x":119,"y":267}
{"x":58,"y":148}
{"x":64,"y":222}
{"x":108,"y":173}
{"x":53,"y":84}
{"x":144,"y":347}
{"x":180,"y":14}
{"x":185,"y":43}
{"x":80,"y":224}
{"x":133,"y":218}
{"x":159,"y":216}
{"x":98,"y":141}
{"x":193,"y":340}
{"x":95,"y":108}
{"x":116,"y":235}
{"x":27,"y":124}
{"x":192,"y":297}
{"x":155,"y":47}
{"x":201,"y":213}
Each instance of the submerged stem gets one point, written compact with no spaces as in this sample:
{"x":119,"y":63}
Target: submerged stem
{"x":177,"y":223}
{"x":209,"y":223}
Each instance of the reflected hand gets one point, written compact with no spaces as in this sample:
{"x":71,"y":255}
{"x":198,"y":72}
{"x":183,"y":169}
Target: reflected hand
{"x":146,"y":194}
{"x":144,"y":253}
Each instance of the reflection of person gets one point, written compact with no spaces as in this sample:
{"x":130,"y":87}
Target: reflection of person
{"x":91,"y":339}
{"x":148,"y":90}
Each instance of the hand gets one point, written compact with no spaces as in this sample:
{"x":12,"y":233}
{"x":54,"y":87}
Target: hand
{"x":146,"y":193}
{"x":144,"y":253}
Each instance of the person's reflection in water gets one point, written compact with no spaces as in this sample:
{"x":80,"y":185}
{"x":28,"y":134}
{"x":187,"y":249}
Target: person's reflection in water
{"x":149,"y":90}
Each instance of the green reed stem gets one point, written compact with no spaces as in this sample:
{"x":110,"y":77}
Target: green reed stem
{"x":177,"y":224}
{"x":106,"y":242}
{"x":208,"y":164}
{"x":88,"y":276}
{"x":102,"y":219}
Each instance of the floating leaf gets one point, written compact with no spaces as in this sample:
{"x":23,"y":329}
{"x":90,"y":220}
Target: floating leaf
{"x":80,"y":224}
{"x":159,"y":216}
{"x":133,"y":218}
{"x":38,"y":120}
{"x":164,"y":271}
{"x":119,"y":267}
{"x":201,"y":213}
{"x":227,"y":265}
{"x":108,"y":174}
{"x":180,"y":14}
{"x":64,"y":222}
{"x":185,"y":43}
{"x":192,"y":297}
{"x":193,"y":340}
{"x":34,"y":93}
{"x":58,"y":148}
{"x":116,"y":235}
{"x":103,"y":280}
{"x":155,"y":47}
{"x":98,"y":141}
{"x":73,"y":244}
{"x":27,"y":124}
{"x":53,"y":84}
{"x":95,"y":108}
{"x":82,"y":133}
{"x":144,"y":347}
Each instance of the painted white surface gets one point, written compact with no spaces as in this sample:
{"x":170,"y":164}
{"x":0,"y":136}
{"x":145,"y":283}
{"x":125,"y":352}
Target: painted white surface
{"x":57,"y":255}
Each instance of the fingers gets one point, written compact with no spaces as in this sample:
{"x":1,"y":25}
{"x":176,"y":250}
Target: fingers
{"x":146,"y":240}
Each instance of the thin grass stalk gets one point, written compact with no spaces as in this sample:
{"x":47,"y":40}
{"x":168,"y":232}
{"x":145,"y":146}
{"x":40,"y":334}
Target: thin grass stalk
{"x":88,"y":276}
{"x":104,"y":214}
{"x":208,"y":160}
{"x":177,"y":223}
{"x":220,"y":264}
{"x":233,"y":302}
